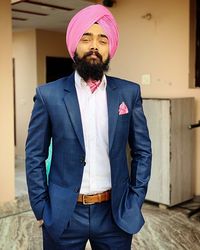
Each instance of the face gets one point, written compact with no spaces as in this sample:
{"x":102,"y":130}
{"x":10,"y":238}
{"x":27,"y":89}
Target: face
{"x":94,"y":40}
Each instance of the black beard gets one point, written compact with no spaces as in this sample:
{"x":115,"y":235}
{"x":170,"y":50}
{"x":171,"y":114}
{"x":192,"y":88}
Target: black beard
{"x":91,"y":68}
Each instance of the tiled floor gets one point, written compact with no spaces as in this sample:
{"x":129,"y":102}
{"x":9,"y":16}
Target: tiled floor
{"x":165,"y":229}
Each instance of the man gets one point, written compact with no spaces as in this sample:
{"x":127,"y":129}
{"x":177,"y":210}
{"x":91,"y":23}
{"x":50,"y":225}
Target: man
{"x":90,"y":117}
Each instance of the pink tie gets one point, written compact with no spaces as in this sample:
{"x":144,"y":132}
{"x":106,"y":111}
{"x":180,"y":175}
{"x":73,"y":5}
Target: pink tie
{"x":93,"y":84}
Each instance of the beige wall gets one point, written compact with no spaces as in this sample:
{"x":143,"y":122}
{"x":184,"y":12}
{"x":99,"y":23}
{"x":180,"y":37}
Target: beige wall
{"x":24,"y":53}
{"x":7,"y":191}
{"x":48,"y":44}
{"x":159,"y":47}
{"x":30,"y":49}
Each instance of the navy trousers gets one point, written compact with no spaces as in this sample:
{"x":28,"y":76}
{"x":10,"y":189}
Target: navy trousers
{"x":94,"y":223}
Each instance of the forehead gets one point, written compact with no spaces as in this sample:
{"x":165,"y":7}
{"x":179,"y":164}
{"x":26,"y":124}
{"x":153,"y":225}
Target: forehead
{"x":95,"y":29}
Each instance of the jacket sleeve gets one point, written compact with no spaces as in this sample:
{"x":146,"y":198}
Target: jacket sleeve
{"x":140,"y":146}
{"x":37,"y":144}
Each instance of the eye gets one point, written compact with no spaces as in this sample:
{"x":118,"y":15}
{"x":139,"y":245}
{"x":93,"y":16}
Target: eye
{"x":85,"y":39}
{"x":103,"y":41}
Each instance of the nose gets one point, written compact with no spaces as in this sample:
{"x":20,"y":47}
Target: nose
{"x":94,"y":45}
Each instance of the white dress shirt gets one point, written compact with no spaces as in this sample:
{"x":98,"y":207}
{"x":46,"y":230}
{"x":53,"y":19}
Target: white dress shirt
{"x":94,"y":117}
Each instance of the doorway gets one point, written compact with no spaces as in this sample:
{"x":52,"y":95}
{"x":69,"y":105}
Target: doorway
{"x":57,"y":67}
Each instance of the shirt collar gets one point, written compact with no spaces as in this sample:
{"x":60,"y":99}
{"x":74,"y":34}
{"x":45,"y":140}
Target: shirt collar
{"x":81,"y":83}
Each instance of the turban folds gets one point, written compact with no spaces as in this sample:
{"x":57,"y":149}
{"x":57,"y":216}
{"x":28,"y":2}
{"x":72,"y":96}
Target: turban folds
{"x":84,"y":19}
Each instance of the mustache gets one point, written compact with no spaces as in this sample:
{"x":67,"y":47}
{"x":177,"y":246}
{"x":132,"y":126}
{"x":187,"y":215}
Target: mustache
{"x":89,"y":53}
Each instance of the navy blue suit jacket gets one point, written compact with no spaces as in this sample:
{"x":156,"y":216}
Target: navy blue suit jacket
{"x":56,"y":115}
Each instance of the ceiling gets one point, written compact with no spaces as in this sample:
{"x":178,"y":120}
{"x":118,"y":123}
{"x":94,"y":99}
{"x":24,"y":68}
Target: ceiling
{"x":51,"y":15}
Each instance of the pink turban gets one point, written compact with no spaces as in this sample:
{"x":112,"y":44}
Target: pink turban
{"x":84,"y":19}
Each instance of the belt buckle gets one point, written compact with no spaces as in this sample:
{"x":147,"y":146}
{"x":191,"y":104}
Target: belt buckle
{"x":85,"y":202}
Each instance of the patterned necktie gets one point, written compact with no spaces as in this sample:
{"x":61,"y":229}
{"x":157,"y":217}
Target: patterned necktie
{"x":93,"y":84}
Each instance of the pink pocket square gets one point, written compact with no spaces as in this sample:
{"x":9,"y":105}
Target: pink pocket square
{"x":123,"y":109}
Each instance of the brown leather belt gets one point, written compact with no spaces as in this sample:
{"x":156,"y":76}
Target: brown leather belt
{"x":94,"y":198}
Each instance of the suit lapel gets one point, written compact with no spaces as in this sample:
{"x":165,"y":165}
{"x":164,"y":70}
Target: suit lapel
{"x":113,"y":106}
{"x":72,"y":105}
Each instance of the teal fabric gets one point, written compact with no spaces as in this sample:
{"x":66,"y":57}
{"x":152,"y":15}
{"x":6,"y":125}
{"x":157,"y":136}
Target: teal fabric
{"x":48,"y":161}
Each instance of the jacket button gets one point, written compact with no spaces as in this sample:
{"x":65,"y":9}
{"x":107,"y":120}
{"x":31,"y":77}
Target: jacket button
{"x":76,"y":189}
{"x":83,"y":161}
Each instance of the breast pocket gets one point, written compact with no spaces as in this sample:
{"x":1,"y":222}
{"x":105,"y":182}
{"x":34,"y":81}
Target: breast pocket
{"x":123,"y":117}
